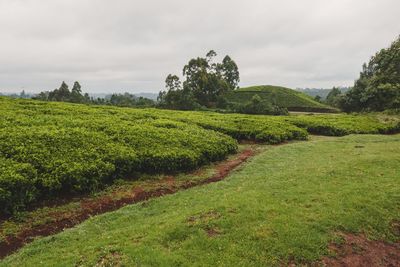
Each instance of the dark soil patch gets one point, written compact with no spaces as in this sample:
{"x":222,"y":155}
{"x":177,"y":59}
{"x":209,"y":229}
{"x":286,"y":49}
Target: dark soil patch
{"x":357,"y":251}
{"x":91,"y":207}
{"x":211,"y":232}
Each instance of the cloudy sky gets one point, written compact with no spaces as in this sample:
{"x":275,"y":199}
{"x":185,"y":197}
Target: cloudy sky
{"x":131,"y":45}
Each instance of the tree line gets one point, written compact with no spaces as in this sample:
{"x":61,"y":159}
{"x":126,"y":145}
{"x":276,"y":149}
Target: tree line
{"x":75,"y":95}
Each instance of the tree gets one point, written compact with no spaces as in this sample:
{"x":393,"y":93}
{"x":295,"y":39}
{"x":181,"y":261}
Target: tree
{"x":333,"y":97}
{"x":61,"y":94}
{"x":257,"y":105}
{"x":87,"y":98}
{"x":176,"y":97}
{"x":378,"y":87}
{"x":76,"y":94}
{"x":317,"y":98}
{"x":23,"y":94}
{"x":172,"y":83}
{"x":44,"y":96}
{"x":205,"y":83}
{"x":230,"y":72}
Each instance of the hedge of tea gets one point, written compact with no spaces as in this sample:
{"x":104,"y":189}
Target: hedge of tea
{"x":46,"y":150}
{"x":340,"y":125}
{"x":49,"y":148}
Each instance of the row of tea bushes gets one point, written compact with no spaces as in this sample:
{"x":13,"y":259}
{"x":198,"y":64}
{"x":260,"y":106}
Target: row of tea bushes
{"x":49,"y":148}
{"x":340,"y":125}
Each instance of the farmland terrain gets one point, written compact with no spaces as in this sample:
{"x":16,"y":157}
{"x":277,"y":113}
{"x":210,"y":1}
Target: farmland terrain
{"x":58,"y":152}
{"x":48,"y":149}
{"x":271,"y":212}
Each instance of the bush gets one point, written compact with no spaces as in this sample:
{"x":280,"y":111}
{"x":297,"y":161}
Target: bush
{"x":17,"y":185}
{"x":258,"y":106}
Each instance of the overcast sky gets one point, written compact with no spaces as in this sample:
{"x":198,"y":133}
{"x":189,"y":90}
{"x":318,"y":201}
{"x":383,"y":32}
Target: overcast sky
{"x":129,"y":45}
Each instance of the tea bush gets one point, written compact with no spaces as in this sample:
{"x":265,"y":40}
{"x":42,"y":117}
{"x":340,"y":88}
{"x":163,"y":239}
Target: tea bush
{"x":339,"y":125}
{"x":49,"y":148}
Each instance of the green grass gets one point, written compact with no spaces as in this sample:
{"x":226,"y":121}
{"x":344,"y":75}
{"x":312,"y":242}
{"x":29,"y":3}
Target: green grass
{"x":280,"y":96}
{"x":286,"y":204}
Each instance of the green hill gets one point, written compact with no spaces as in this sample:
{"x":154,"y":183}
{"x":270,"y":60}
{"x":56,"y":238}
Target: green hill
{"x":280,"y":96}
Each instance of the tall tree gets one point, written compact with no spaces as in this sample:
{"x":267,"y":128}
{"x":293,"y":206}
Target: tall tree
{"x":205,"y":82}
{"x":230,"y":72}
{"x":76,"y":93}
{"x":60,"y":94}
{"x":172,"y":83}
{"x":378,"y":87}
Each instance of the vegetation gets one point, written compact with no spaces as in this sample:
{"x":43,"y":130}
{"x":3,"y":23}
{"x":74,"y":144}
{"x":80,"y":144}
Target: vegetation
{"x":257,"y":105}
{"x":278,"y":97}
{"x":72,"y":211}
{"x":378,"y":87}
{"x":52,"y":148}
{"x":214,"y":85}
{"x":49,"y":148}
{"x":334,"y":97}
{"x":340,"y":125}
{"x":321,"y":92}
{"x":205,"y":84}
{"x":63,"y":94}
{"x":272,"y":212}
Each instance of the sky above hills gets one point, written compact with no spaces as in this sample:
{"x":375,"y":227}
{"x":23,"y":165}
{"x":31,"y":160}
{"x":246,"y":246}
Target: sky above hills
{"x":130,"y":45}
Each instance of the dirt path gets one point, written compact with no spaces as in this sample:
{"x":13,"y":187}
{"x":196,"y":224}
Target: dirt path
{"x":91,"y":207}
{"x":358,"y":251}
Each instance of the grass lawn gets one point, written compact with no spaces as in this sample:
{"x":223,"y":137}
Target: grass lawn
{"x":285,"y":205}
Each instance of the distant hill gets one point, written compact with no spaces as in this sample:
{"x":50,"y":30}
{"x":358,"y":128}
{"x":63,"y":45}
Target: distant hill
{"x":281,"y":96}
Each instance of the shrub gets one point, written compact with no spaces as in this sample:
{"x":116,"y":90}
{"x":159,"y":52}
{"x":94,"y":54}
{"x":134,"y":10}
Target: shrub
{"x":16,"y":185}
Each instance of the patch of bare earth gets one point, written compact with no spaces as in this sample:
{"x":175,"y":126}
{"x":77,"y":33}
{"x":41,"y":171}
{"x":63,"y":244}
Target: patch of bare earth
{"x":357,"y":251}
{"x":94,"y":206}
{"x":212,"y":232}
{"x":112,"y":259}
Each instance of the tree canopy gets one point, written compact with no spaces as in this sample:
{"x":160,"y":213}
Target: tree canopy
{"x":205,"y":82}
{"x":378,"y":87}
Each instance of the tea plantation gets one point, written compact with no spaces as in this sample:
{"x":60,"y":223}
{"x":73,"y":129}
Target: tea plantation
{"x":49,"y":148}
{"x":283,"y":208}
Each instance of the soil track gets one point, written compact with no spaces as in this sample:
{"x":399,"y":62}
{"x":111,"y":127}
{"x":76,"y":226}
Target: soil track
{"x":92,"y":207}
{"x":358,"y":251}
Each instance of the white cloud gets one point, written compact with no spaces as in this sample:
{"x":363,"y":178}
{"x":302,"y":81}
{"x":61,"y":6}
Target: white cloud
{"x":132,"y":45}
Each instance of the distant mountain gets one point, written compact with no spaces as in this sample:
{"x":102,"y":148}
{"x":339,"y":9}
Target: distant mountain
{"x":280,"y":96}
{"x":323,"y":93}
